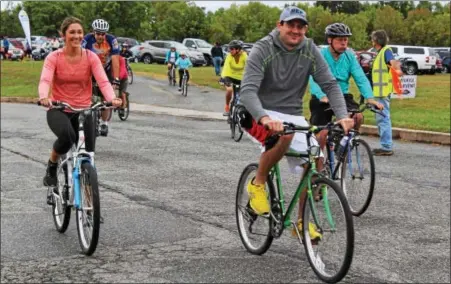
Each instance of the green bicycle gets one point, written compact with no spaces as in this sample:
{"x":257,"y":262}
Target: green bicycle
{"x":325,"y":207}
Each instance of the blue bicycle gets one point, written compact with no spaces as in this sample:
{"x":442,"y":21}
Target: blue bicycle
{"x":77,"y":186}
{"x":349,"y":158}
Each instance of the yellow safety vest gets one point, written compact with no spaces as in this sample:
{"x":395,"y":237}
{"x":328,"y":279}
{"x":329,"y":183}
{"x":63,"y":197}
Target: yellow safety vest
{"x":382,"y":80}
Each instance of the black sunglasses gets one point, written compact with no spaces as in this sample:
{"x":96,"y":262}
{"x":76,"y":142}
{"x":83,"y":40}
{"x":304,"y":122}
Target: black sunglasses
{"x":100,"y":34}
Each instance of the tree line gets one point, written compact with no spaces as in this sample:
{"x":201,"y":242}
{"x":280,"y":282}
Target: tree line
{"x":427,"y":23}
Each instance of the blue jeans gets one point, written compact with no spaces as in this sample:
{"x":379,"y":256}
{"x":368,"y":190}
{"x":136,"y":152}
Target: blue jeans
{"x":217,"y":62}
{"x":384,"y":124}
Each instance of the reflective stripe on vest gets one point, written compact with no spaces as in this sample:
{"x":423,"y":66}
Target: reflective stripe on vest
{"x":382,"y":80}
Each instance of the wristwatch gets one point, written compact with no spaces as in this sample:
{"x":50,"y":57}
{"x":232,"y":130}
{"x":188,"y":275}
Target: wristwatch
{"x":116,"y":79}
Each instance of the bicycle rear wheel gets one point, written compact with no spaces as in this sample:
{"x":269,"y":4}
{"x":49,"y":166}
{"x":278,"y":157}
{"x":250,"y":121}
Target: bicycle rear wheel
{"x":254,"y":230}
{"x":88,"y":215}
{"x":60,"y":207}
{"x":330,"y":257}
{"x":123,"y":113}
{"x":358,"y":176}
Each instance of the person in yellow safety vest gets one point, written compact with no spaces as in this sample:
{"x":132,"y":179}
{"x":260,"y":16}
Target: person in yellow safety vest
{"x":382,"y":82}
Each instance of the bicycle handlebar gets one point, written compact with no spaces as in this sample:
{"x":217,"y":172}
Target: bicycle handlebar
{"x":59,"y":104}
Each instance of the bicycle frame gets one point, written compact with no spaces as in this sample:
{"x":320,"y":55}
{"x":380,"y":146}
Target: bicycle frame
{"x":74,"y":158}
{"x":305,"y":182}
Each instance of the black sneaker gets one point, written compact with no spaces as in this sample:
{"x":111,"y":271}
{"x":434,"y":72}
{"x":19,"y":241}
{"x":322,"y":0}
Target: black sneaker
{"x":382,"y":152}
{"x":50,"y":178}
{"x":104,"y":130}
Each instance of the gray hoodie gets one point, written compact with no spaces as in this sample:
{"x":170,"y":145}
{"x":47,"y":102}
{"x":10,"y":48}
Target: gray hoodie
{"x":276,"y":79}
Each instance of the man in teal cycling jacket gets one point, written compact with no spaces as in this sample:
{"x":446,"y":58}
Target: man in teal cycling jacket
{"x":342,"y":64}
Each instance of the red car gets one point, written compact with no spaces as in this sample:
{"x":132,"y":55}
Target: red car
{"x":17,"y":43}
{"x":365,"y":59}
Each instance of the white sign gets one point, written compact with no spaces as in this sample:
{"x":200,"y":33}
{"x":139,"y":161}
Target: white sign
{"x":409,"y":85}
{"x":25,"y":22}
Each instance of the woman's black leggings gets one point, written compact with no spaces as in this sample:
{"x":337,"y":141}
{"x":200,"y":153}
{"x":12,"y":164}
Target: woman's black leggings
{"x":65,"y":127}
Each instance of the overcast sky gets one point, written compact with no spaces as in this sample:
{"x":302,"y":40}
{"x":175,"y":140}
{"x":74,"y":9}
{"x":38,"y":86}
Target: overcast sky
{"x":212,"y":5}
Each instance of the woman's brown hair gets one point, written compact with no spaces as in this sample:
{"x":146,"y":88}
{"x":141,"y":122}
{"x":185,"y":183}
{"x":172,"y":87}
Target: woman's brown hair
{"x":67,"y":22}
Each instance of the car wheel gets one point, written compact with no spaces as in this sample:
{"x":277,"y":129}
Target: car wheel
{"x":411,"y":69}
{"x":147,"y":59}
{"x":445,"y":70}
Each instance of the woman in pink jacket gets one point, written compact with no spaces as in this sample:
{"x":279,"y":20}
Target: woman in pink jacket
{"x":67,"y":72}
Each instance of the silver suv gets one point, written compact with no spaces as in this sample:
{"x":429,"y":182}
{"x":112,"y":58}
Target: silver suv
{"x":155,"y":51}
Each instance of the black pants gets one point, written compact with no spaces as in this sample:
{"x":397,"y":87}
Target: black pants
{"x":65,"y":126}
{"x":181,"y":77}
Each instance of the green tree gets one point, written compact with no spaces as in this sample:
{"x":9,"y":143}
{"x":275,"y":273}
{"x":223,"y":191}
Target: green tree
{"x":392,"y":22}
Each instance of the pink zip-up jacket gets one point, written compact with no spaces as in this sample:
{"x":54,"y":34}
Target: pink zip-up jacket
{"x":71,"y":83}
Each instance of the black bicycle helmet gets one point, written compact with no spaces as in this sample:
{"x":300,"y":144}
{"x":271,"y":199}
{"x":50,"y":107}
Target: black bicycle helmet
{"x":338,"y":30}
{"x":236,"y":44}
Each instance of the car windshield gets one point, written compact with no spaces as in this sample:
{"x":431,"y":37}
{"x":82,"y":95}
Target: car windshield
{"x":178,"y":45}
{"x":203,"y":44}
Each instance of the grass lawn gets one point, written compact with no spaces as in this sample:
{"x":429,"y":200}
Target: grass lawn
{"x":429,"y":110}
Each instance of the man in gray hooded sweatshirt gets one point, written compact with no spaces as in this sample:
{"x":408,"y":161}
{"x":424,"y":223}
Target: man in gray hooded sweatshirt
{"x":275,"y":79}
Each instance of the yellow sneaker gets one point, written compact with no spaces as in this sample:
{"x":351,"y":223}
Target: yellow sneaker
{"x":315,"y":236}
{"x":258,"y":198}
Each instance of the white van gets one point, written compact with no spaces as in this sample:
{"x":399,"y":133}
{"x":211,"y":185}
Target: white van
{"x":422,"y":59}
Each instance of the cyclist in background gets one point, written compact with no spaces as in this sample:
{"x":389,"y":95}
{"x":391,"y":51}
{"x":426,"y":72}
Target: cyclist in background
{"x":343,"y":65}
{"x":123,"y":78}
{"x":183,"y":63}
{"x":233,"y":70}
{"x":125,"y":51}
{"x":107,"y":49}
{"x":171,"y":57}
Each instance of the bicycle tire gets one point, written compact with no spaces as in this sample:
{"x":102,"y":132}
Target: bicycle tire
{"x":61,"y":212}
{"x":238,"y":132}
{"x":88,"y":176}
{"x":230,"y":120}
{"x":316,"y":259}
{"x":123,"y":115}
{"x":130,"y":74}
{"x":184,"y":87}
{"x":362,"y":145}
{"x":243,"y":211}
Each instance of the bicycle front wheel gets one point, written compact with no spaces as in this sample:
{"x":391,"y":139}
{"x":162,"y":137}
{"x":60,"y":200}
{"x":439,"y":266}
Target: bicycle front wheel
{"x":358,"y":176}
{"x":130,"y":75}
{"x":60,"y":207}
{"x":88,"y":215}
{"x":330,"y":256}
{"x":238,"y":132}
{"x":255,"y":231}
{"x":184,"y":88}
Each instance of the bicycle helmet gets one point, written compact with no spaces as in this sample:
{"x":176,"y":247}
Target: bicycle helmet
{"x":100,"y":25}
{"x":338,"y":30}
{"x":125,"y":44}
{"x":236,"y":44}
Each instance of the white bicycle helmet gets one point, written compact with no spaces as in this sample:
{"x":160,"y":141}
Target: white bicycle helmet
{"x":100,"y":25}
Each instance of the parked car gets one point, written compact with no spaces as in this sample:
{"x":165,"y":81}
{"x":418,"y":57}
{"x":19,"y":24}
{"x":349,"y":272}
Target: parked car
{"x":15,"y":53}
{"x":201,"y":46}
{"x":38,"y":41}
{"x":365,"y":59}
{"x":17,"y":43}
{"x":130,"y":41}
{"x":422,"y":59}
{"x":155,"y":51}
{"x":445,"y":57}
